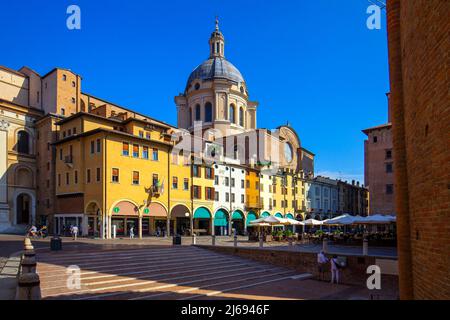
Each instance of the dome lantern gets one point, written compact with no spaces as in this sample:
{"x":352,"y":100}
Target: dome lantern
{"x":216,"y":43}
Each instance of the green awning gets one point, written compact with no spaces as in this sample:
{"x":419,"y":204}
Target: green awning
{"x":250,"y":217}
{"x":237,"y":215}
{"x":290,"y":216}
{"x":265,"y":214}
{"x":221,"y":218}
{"x":278,"y":215}
{"x":202,"y":213}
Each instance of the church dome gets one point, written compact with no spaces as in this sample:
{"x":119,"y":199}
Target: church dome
{"x":215,"y":68}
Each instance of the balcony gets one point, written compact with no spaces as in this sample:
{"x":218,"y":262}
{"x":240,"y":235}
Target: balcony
{"x":253,"y":205}
{"x":69,"y":161}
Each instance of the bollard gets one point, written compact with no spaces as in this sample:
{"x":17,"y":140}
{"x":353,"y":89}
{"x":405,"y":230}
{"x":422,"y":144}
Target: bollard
{"x":325,"y":245}
{"x":261,"y":241}
{"x":29,"y":254}
{"x":194,"y":240}
{"x":28,"y":265}
{"x":27,"y":244}
{"x":28,"y":287}
{"x":365,"y":247}
{"x":213,"y":240}
{"x":235,"y":241}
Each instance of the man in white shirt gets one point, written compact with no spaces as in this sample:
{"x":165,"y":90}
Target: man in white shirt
{"x":321,"y":262}
{"x":75,"y":232}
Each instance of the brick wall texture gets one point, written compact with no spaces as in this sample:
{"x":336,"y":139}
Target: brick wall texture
{"x":418,"y":39}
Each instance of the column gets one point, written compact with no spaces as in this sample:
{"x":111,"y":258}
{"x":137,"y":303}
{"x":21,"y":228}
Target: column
{"x":168,"y":227}
{"x":213,"y":229}
{"x":4,"y":208}
{"x":140,"y":227}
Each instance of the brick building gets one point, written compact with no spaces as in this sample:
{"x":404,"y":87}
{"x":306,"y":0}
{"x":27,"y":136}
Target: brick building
{"x":419,"y":79}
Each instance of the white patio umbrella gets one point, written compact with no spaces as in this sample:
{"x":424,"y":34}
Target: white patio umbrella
{"x":312,"y":222}
{"x":295,"y":222}
{"x":375,"y":219}
{"x":342,"y":220}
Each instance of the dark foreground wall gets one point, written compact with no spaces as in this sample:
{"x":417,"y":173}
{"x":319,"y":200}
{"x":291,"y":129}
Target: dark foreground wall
{"x":303,"y":262}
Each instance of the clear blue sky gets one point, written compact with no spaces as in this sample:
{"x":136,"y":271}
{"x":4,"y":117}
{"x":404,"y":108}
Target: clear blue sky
{"x":313,"y":63}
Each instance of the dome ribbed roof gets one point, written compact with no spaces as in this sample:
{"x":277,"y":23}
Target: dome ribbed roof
{"x":215,"y":68}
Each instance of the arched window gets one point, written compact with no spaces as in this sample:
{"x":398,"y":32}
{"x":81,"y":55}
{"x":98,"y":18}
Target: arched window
{"x":190,"y":117}
{"x":197,"y":112}
{"x":208,"y":112}
{"x":23,"y":142}
{"x":241,"y":117}
{"x":232,"y":115}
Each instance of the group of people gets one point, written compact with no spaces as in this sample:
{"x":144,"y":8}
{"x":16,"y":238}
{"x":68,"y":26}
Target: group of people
{"x":34,"y":232}
{"x":335,"y":266}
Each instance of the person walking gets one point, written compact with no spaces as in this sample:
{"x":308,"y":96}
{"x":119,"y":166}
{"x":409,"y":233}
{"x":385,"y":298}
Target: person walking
{"x":132,"y":233}
{"x":321,"y":262}
{"x":75,"y":232}
{"x":335,"y":266}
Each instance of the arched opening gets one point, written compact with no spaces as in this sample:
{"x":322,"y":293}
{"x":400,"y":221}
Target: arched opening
{"x":208,"y":112}
{"x":241,"y":117}
{"x":23,"y":142}
{"x":197,"y":113}
{"x":278,"y":215}
{"x":317,"y":217}
{"x":221,"y":224}
{"x":232,"y":114}
{"x":180,"y":222}
{"x":250,"y":217}
{"x":23,"y":209}
{"x":202,"y":221}
{"x":299,"y":217}
{"x":94,"y":219}
{"x":154,"y":220}
{"x":125,"y":215}
{"x":265,"y":214}
{"x":237,"y":222}
{"x":289,"y":216}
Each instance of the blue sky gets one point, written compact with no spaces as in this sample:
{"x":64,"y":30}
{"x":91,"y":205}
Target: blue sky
{"x":312,"y":63}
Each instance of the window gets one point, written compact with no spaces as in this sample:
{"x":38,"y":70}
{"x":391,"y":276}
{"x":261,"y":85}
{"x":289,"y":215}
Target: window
{"x":248,"y":184}
{"x":227,"y":197}
{"x":209,"y":193}
{"x":389,"y":189}
{"x":216,"y":180}
{"x":388,"y":167}
{"x":232,"y":116}
{"x":155,"y":154}
{"x":67,"y":178}
{"x":196,"y":171}
{"x":115,"y":175}
{"x":242,"y":184}
{"x":73,"y":84}
{"x":37,"y":96}
{"x":197,"y":112}
{"x":196,"y":192}
{"x":74,"y":130}
{"x":208,"y":112}
{"x":190,"y":117}
{"x":209,"y":173}
{"x":174,"y":183}
{"x":64,"y":77}
{"x":141,"y":134}
{"x":125,"y":149}
{"x":216,"y":196}
{"x":375,"y":139}
{"x":23,"y":142}
{"x":233,"y":197}
{"x":73,"y":100}
{"x":388,"y":154}
{"x":59,"y":180}
{"x":145,"y":152}
{"x":227,"y":181}
{"x":48,"y":166}
{"x":256,"y":185}
{"x":135,"y":177}
{"x":186,"y":184}
{"x":242,"y":198}
{"x":241,"y":117}
{"x":147,"y":135}
{"x":76,"y":177}
{"x":92,"y":146}
{"x":98,"y":175}
{"x":232,"y":182}
{"x":135,"y":151}
{"x":63,"y":111}
{"x":88,"y":176}
{"x":99,"y":145}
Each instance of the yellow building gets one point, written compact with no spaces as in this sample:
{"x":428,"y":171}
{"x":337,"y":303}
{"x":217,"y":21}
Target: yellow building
{"x":202,"y":196}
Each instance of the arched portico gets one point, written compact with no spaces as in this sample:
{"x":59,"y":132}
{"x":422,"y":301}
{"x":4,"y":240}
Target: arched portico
{"x":93,"y":220}
{"x":180,"y":220}
{"x":238,"y":222}
{"x":123,"y":215}
{"x":278,"y":215}
{"x":221,"y":222}
{"x":203,"y":222}
{"x":155,"y":219}
{"x":265,"y":214}
{"x":24,"y":207}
